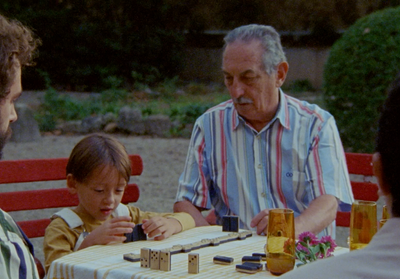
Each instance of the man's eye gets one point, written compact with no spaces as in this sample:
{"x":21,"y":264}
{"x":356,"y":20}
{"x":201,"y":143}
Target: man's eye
{"x":228,"y":79}
{"x":249,"y":79}
{"x":98,"y":190}
{"x":119,"y":190}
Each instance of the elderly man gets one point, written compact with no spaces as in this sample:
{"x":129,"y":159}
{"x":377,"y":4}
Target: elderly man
{"x":16,"y":47}
{"x":263,"y":149}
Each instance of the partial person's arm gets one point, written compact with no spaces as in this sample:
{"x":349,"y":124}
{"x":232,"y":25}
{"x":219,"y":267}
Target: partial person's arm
{"x":188,"y":207}
{"x":320,"y":213}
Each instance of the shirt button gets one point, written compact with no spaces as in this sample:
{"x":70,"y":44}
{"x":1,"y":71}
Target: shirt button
{"x":264,"y":195}
{"x":259,"y":166}
{"x":258,"y":137}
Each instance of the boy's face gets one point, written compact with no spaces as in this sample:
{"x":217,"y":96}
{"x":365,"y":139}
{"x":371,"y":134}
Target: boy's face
{"x":102,"y":192}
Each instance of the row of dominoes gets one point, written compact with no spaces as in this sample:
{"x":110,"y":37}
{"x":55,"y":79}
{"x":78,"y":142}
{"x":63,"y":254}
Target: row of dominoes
{"x":161,"y":260}
{"x":196,"y":245}
{"x":250,"y":264}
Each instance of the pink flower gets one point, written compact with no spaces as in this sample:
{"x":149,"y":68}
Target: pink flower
{"x":308,"y":237}
{"x":330,"y":243}
{"x":309,"y":248}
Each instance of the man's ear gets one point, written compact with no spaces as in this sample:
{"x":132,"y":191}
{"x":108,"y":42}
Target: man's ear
{"x":378,"y":172}
{"x":281,"y":73}
{"x":71,"y":184}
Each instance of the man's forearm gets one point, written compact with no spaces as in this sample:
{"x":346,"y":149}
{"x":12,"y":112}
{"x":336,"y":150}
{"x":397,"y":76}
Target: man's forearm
{"x":188,"y":207}
{"x":320,"y":213}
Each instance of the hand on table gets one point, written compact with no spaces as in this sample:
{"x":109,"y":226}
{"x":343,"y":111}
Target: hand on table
{"x":160,"y":227}
{"x":112,"y":230}
{"x":261,"y":222}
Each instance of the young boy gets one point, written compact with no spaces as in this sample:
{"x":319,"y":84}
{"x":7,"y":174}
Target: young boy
{"x":98,"y":171}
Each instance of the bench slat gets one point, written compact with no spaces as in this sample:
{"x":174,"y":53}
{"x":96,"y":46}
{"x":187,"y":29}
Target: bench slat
{"x":32,"y":170}
{"x":34,"y":228}
{"x":52,"y":198}
{"x":359,"y":163}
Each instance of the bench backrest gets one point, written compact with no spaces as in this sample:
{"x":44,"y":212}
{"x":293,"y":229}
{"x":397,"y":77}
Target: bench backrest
{"x":35,"y":170}
{"x":359,"y":164}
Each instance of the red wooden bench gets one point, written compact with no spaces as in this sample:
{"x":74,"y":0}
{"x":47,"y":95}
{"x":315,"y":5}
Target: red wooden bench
{"x":357,"y":164}
{"x":36,"y":170}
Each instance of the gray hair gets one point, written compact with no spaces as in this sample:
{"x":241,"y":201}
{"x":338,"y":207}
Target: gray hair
{"x":269,"y":39}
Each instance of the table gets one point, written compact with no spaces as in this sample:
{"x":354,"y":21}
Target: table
{"x":106,"y":261}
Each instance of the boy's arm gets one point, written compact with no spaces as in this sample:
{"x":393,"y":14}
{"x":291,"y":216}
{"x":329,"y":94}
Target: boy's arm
{"x":59,"y":240}
{"x":161,"y":227}
{"x":185,"y":219}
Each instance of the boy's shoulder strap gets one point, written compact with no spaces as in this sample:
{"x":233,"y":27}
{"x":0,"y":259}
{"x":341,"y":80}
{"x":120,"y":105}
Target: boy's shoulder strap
{"x":121,"y":210}
{"x":73,"y":220}
{"x":70,"y":217}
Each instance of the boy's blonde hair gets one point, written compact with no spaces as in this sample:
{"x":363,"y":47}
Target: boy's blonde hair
{"x":98,"y":150}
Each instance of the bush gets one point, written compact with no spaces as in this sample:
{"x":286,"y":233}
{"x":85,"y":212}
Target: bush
{"x":86,"y":41}
{"x":360,"y":67}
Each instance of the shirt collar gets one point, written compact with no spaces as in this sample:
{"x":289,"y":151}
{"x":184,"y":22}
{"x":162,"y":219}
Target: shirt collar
{"x":282,"y":114}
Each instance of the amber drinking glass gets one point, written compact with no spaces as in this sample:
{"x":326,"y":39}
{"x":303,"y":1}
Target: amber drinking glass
{"x":385,"y":216}
{"x":280,"y":241}
{"x":363,"y":224}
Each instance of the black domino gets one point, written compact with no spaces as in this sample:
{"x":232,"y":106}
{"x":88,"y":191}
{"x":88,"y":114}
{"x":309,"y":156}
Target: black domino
{"x":246,"y":268}
{"x":253,"y":259}
{"x":136,"y":234}
{"x":222,"y":260}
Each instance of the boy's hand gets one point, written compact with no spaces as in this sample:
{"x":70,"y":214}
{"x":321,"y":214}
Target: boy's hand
{"x":112,"y":230}
{"x":161,"y":227}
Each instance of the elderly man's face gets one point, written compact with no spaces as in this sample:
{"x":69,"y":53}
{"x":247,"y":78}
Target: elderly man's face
{"x":7,"y":110}
{"x":254,"y":92}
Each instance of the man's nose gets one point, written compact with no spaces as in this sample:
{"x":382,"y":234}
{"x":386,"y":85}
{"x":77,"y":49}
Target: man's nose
{"x":13,"y":114}
{"x":236,"y":89}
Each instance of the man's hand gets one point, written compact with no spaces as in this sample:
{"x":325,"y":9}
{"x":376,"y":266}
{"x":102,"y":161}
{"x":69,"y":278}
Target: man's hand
{"x":261,"y":222}
{"x":320,"y":213}
{"x":112,"y":230}
{"x":160,"y":227}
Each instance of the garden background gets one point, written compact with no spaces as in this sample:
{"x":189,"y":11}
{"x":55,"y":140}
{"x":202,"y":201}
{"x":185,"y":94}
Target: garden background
{"x":113,"y":53}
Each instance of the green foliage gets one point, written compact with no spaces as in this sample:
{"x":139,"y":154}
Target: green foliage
{"x":360,"y":67}
{"x":301,"y":85}
{"x":57,"y":107}
{"x":186,"y":115}
{"x":183,"y":104}
{"x":85,"y":41}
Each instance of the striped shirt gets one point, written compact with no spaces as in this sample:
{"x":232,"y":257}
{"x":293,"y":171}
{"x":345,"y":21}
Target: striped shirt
{"x":297,"y":157}
{"x":16,"y":259}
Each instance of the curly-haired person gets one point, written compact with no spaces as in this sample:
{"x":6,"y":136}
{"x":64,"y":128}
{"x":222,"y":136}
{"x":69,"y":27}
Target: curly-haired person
{"x":17,"y":48}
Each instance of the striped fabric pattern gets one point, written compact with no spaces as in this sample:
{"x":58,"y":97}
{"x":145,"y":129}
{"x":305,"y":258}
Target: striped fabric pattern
{"x":16,"y":261}
{"x":297,"y":157}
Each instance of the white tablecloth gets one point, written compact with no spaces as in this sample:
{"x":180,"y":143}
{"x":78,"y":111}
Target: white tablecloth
{"x":106,"y":261}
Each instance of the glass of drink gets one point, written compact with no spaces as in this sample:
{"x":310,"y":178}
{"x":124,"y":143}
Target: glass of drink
{"x":385,"y":216}
{"x":280,"y":247}
{"x":363,"y":224}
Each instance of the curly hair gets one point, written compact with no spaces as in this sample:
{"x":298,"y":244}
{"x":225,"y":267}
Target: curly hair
{"x":18,"y":47}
